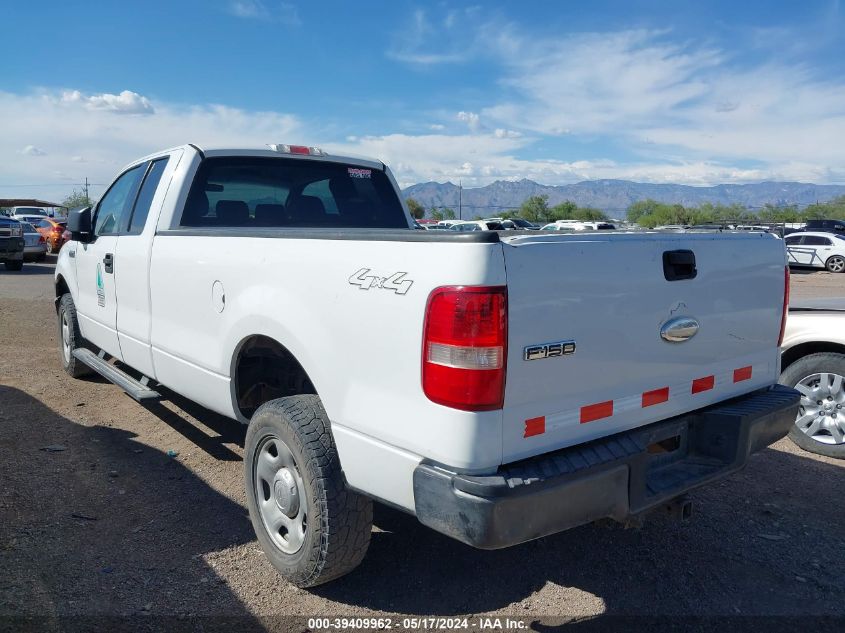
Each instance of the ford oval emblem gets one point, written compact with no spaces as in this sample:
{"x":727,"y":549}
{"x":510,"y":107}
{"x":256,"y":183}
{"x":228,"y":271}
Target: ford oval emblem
{"x":679,"y":329}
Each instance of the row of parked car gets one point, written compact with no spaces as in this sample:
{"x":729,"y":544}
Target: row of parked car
{"x":512,"y":224}
{"x":29,"y":234}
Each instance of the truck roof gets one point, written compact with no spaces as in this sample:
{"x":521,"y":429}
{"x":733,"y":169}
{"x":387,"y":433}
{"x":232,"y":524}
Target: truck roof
{"x":265,"y":150}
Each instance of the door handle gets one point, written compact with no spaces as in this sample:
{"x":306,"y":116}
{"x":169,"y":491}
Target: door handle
{"x":108,"y":260}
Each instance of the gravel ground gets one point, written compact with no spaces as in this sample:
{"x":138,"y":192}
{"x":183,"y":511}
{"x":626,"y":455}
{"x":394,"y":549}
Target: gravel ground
{"x":97,"y":519}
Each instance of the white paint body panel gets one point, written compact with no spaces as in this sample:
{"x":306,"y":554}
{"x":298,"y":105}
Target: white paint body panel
{"x":362,"y":348}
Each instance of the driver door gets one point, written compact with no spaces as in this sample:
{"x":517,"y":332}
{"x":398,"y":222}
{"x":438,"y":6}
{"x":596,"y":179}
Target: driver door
{"x":96,"y":302}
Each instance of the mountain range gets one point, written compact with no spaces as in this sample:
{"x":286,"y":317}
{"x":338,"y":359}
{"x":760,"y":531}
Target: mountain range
{"x":614,"y":196}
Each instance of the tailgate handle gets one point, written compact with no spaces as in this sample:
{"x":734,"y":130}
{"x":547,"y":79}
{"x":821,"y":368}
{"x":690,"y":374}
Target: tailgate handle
{"x":679,"y":265}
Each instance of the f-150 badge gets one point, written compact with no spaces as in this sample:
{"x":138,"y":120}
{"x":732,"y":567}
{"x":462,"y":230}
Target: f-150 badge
{"x":365,"y":280}
{"x":548,"y":350}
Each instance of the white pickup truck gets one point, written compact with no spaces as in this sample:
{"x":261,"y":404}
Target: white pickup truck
{"x":501,"y":386}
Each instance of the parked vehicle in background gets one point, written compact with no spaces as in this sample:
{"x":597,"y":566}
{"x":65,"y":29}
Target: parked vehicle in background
{"x":828,"y":226}
{"x":477,"y":225}
{"x":35,"y":246}
{"x":11,"y":243}
{"x":24,"y":212}
{"x":435,"y":371}
{"x":813,"y":362}
{"x":817,"y":250}
{"x":515,"y":224}
{"x":577,"y":225}
{"x":671,"y":227}
{"x":53,"y":232}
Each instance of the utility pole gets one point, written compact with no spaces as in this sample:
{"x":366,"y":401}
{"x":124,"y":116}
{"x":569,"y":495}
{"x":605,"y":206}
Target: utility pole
{"x":87,"y":197}
{"x":460,"y":199}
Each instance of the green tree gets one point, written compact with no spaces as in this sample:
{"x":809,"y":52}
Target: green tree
{"x":77,"y":199}
{"x":448,"y":214}
{"x":416,"y":209}
{"x":535,"y":209}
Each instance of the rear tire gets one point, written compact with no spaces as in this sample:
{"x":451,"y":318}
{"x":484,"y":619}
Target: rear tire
{"x":835,"y":264}
{"x":312,"y":528}
{"x":14,"y":264}
{"x":829,"y":363}
{"x":70,"y":338}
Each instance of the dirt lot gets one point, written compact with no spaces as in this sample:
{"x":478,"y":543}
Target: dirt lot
{"x":107,"y":523}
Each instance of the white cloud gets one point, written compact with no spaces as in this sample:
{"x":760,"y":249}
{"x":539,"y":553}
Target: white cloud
{"x":478,"y":159}
{"x":72,"y":129}
{"x":437,"y":127}
{"x":472,"y":120}
{"x":503,"y":133}
{"x":127,"y":102}
{"x":31,"y":150}
{"x":282,"y":12}
{"x":428,"y":42}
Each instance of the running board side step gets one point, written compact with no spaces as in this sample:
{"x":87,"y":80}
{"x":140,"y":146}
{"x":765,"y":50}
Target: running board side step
{"x":136,"y":389}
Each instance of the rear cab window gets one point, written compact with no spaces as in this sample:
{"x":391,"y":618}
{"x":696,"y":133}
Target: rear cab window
{"x":260,"y":192}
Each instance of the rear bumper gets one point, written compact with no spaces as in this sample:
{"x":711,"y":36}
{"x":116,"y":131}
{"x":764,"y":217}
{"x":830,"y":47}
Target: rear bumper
{"x":11,"y":248}
{"x":615,"y":477}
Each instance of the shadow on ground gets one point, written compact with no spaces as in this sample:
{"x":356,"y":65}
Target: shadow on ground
{"x":759,"y":545}
{"x":92,"y":522}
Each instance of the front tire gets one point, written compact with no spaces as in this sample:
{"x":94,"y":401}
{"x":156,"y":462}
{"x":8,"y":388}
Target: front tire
{"x":835,"y":264}
{"x":820,"y":425}
{"x":312,"y":528}
{"x":70,"y":338}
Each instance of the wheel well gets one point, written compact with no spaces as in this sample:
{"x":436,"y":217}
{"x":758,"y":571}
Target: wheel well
{"x":61,"y":288}
{"x":265,"y":370}
{"x":805,"y":349}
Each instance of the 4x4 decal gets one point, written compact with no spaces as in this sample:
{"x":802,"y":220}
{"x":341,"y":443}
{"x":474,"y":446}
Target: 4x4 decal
{"x":365,"y":280}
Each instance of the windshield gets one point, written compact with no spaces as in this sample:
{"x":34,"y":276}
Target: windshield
{"x":244,"y":191}
{"x":29,"y":211}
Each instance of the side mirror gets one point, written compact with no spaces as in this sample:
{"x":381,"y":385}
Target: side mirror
{"x":79,"y":225}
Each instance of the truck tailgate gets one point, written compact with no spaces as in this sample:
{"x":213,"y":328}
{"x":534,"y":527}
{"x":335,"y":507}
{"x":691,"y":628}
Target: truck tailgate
{"x":585,"y":353}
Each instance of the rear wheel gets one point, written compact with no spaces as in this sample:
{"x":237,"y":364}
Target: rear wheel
{"x":70,"y":338}
{"x":311,"y":526}
{"x":50,"y":248}
{"x":820,"y":425}
{"x":835,"y":264}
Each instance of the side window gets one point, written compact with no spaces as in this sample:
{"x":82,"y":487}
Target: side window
{"x":117,"y":202}
{"x":145,"y":196}
{"x":44,"y":224}
{"x":816,"y":240}
{"x":793,"y":240}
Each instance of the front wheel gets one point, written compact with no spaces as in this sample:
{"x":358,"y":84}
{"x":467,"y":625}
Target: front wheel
{"x":820,"y":425}
{"x":311,"y":526}
{"x":70,"y":338}
{"x":835,"y":264}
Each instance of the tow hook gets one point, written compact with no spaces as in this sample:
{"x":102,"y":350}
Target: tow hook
{"x":680,"y":508}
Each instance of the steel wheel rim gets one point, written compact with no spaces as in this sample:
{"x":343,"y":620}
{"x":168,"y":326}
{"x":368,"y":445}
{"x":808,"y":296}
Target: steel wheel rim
{"x":836,"y":264}
{"x":280,"y":494}
{"x":65,"y":338}
{"x":821,"y":414}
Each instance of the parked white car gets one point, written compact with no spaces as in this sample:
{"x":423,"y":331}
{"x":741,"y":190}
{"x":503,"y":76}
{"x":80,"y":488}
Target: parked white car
{"x":477,"y":225}
{"x":500,"y":386}
{"x":816,"y":249}
{"x":27,"y":212}
{"x":813,"y":362}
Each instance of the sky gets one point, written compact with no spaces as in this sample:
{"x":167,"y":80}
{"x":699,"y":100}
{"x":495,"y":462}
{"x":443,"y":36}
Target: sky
{"x":558,"y":92}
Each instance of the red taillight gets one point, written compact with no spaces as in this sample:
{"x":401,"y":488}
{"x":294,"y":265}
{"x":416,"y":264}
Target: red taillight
{"x":58,"y":230}
{"x":465,"y":347}
{"x":299,"y":149}
{"x":41,"y":239}
{"x":785,"y":304}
